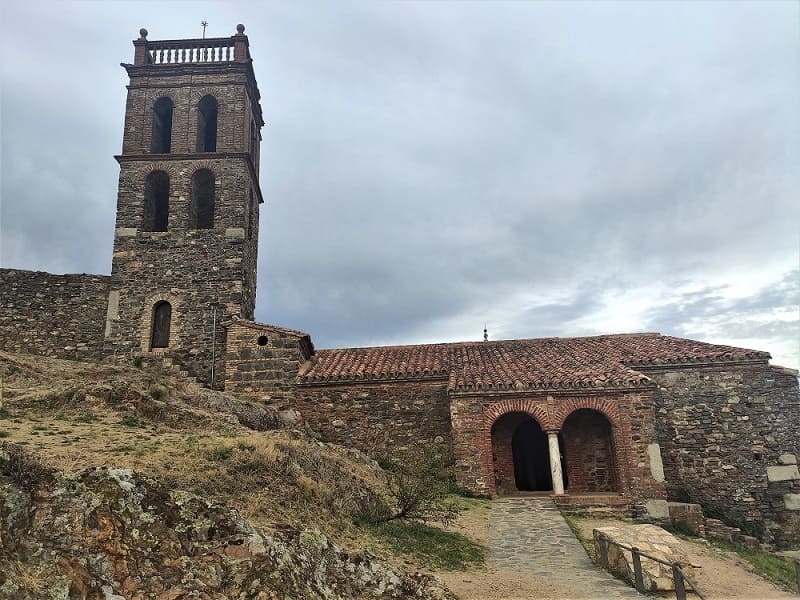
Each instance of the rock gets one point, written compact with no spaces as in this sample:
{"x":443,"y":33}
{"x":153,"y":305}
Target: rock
{"x":113,"y":533}
{"x":787,"y":459}
{"x":649,"y":539}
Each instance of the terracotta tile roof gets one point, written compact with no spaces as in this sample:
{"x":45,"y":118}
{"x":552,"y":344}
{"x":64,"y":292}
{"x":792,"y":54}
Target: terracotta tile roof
{"x":543,"y":363}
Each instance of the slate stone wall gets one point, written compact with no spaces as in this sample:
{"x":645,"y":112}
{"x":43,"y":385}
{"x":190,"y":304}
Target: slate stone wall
{"x":53,"y":315}
{"x":382,"y":419}
{"x":262,"y":362}
{"x":726,"y":432}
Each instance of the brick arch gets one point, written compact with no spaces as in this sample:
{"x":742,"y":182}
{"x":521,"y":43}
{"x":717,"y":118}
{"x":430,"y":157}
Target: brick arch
{"x":168,"y":168}
{"x":519,"y":405}
{"x":610,"y":410}
{"x":211,"y":165}
{"x":604,"y":406}
{"x":157,"y":96}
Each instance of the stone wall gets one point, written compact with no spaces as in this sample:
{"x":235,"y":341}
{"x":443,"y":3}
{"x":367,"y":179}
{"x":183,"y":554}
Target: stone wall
{"x":207,"y":275}
{"x":53,"y":315}
{"x":383,"y":419}
{"x":729,"y":434}
{"x":262,"y":361}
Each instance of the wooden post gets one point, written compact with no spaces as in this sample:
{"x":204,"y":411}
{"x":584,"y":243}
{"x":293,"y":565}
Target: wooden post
{"x":638,"y":577}
{"x":603,"y":543}
{"x":677,"y":576}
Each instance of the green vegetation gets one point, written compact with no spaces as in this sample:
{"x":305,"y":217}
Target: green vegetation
{"x":773,"y":567}
{"x":4,"y":414}
{"x":130,"y":421}
{"x":220,"y":453}
{"x":419,"y":488}
{"x":433,"y":547}
{"x":588,"y":544}
{"x":4,"y":434}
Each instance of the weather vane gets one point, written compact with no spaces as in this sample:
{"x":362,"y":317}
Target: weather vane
{"x":204,"y":23}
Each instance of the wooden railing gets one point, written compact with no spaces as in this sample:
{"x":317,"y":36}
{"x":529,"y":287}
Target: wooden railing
{"x":679,"y":578}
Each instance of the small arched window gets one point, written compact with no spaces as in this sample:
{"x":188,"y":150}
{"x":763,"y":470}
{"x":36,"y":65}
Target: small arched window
{"x":156,"y":202}
{"x":162,"y":316}
{"x":201,"y":210}
{"x":161,"y":140}
{"x":207,"y":124}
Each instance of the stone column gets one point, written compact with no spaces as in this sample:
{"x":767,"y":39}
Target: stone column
{"x":555,"y":463}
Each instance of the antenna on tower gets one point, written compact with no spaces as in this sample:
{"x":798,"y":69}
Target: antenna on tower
{"x":485,"y":333}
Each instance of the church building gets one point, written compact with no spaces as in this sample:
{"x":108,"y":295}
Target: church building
{"x":627,"y":421}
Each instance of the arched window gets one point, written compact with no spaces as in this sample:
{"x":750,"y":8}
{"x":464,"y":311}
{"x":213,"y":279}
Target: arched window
{"x":156,"y":202}
{"x":161,"y":141}
{"x":201,"y":210}
{"x":162,"y":315}
{"x":207,"y":124}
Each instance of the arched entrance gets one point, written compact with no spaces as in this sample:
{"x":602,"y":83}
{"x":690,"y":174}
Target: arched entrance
{"x":589,"y":451}
{"x":520,"y":454}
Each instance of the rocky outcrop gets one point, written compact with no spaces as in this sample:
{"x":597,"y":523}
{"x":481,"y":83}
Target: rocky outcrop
{"x":112,"y":533}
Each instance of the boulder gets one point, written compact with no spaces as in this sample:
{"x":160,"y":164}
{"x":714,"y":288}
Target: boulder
{"x":649,"y":539}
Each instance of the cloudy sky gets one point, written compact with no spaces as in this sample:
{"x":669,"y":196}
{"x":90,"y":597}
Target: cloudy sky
{"x":546,"y":168}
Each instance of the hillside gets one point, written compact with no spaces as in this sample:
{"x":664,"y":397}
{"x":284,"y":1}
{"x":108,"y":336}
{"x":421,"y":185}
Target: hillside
{"x":119,"y":473}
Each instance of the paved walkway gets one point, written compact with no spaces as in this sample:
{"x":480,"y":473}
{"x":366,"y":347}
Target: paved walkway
{"x":529,"y":535}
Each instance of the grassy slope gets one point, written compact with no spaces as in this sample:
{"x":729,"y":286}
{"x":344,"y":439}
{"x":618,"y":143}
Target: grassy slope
{"x":74,"y":415}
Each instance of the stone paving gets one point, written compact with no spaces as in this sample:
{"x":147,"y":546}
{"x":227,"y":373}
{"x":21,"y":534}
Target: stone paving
{"x":529,"y":535}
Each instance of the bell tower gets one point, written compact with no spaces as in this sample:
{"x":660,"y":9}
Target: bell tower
{"x":186,"y":237}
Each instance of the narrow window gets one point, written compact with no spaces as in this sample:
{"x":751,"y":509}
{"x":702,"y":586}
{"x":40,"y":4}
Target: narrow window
{"x":162,"y":315}
{"x":161,"y":141}
{"x":207,"y":124}
{"x":201,"y":211}
{"x":156,"y":202}
{"x":252,"y":215}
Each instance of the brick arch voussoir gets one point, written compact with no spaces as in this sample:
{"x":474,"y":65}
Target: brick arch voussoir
{"x":518,"y":405}
{"x":206,"y":164}
{"x":169,"y":168}
{"x":604,"y":406}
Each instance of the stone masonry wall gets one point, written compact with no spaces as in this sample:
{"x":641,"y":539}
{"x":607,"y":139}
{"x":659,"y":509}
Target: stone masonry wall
{"x":262,"y":362}
{"x":382,"y":419}
{"x":53,"y":315}
{"x":207,"y":275}
{"x":729,"y":434}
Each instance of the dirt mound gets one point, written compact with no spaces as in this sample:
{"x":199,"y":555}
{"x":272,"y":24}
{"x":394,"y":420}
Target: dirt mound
{"x":105,"y":531}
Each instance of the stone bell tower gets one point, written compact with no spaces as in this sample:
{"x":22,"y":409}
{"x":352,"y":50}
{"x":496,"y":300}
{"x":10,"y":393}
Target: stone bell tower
{"x":186,"y":237}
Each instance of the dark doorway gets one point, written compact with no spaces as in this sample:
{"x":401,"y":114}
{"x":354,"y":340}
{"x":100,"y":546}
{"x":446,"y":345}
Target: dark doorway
{"x":162,"y":315}
{"x":531,"y":458}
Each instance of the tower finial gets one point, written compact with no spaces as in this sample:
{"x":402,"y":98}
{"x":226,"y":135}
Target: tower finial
{"x":204,"y":23}
{"x":485,"y":333}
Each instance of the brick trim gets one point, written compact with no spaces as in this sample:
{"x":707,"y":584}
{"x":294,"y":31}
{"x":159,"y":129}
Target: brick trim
{"x":528,"y":406}
{"x":605,"y":406}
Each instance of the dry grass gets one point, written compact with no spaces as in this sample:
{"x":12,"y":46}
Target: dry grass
{"x":74,"y":415}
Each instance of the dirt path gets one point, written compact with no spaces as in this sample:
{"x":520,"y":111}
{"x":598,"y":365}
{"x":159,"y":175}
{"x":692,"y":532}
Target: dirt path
{"x":721,"y":577}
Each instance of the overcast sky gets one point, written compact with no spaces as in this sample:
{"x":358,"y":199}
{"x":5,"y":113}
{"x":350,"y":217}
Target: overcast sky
{"x":547,"y":168}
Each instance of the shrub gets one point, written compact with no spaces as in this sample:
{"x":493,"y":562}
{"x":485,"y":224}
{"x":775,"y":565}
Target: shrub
{"x":23,"y":469}
{"x":137,"y":361}
{"x":419,"y":488}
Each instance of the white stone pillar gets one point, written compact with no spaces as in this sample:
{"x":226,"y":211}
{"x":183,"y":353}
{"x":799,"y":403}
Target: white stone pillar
{"x":555,"y":464}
